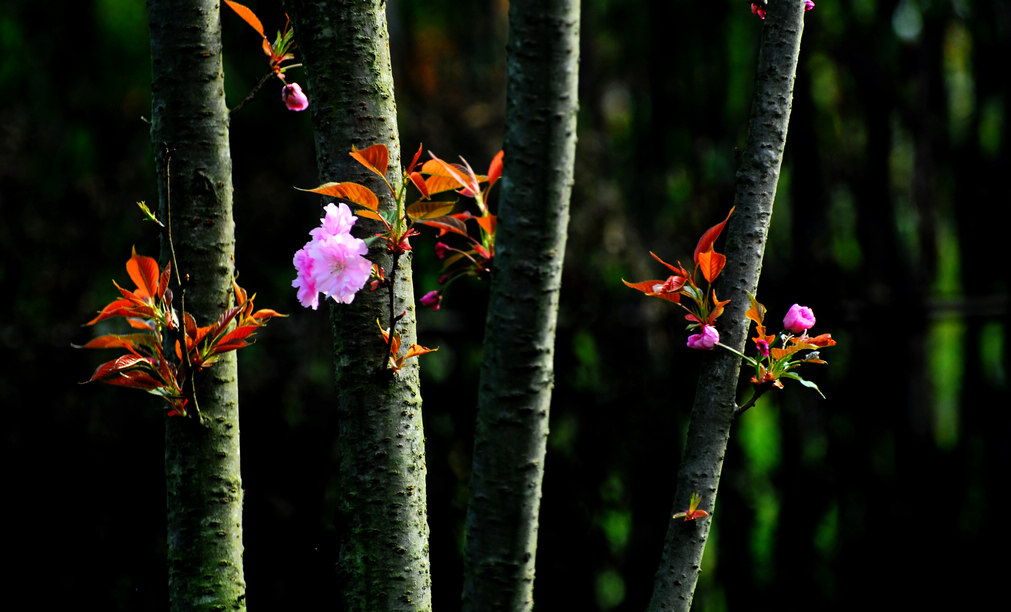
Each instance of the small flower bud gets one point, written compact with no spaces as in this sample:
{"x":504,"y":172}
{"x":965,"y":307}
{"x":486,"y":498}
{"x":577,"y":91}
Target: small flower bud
{"x":798,"y":319}
{"x":293,"y":97}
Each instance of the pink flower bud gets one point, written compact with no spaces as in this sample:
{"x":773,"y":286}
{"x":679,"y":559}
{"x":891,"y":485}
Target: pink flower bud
{"x":798,"y":319}
{"x":432,"y":299}
{"x":705,"y":340}
{"x":808,"y":5}
{"x":441,"y":249}
{"x":293,"y":97}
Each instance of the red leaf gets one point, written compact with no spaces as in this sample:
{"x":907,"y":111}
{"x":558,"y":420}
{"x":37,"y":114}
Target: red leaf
{"x":711,"y":264}
{"x":247,"y":15}
{"x":707,"y":240}
{"x":414,"y":161}
{"x":648,"y":287}
{"x":144,"y":273}
{"x":376,"y":158}
{"x":678,"y":269}
{"x":419,"y":182}
{"x":352,"y":192}
{"x":495,"y":169}
{"x":488,"y":223}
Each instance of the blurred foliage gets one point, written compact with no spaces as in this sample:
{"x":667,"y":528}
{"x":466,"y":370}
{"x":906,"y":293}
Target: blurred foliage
{"x":885,"y":224}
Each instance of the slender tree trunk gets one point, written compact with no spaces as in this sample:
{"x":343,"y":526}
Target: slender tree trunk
{"x":517,"y":370}
{"x":712,"y":412}
{"x":381,"y":517}
{"x":189,"y":133}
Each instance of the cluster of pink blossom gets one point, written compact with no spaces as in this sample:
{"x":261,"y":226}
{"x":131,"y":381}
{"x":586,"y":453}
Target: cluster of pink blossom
{"x":333,"y":262}
{"x":798,"y":319}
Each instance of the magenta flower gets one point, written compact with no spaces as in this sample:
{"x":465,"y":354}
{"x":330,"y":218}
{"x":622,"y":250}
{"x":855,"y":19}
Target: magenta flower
{"x":293,"y":97}
{"x":798,"y":319}
{"x":333,"y":262}
{"x":763,"y":346}
{"x":308,"y":295}
{"x":441,"y":250}
{"x":705,"y":340}
{"x":808,"y":5}
{"x":338,"y":220}
{"x":432,"y":299}
{"x":339,"y":267}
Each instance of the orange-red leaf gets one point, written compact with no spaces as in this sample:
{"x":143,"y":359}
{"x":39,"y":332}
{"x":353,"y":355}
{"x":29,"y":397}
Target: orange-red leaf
{"x":247,"y":15}
{"x":678,"y":270}
{"x":144,"y":273}
{"x":488,"y":223}
{"x":495,"y":169}
{"x":352,"y":192}
{"x":446,"y":224}
{"x":369,"y":214}
{"x":707,"y":240}
{"x":437,"y":183}
{"x":648,"y":288}
{"x":429,"y":210}
{"x":419,"y":182}
{"x":711,"y":264}
{"x":376,"y":158}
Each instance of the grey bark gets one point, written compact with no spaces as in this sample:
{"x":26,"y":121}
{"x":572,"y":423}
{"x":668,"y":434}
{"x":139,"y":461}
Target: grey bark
{"x":381,"y":516}
{"x":713,"y":409}
{"x":517,"y":368}
{"x":189,"y":129}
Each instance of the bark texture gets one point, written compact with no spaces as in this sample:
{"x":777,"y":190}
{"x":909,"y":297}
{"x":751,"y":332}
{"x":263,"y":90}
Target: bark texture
{"x":381,"y":517}
{"x":712,"y":412}
{"x":517,"y":368}
{"x":189,"y":134}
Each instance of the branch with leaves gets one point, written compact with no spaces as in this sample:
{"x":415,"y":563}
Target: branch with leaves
{"x":333,"y":263}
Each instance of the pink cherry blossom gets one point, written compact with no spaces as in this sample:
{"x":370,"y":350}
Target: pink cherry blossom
{"x":441,"y":250}
{"x":798,"y":319}
{"x":333,"y":262}
{"x":338,"y":220}
{"x":308,"y":295}
{"x":705,"y":340}
{"x":339,"y":267}
{"x":293,"y":97}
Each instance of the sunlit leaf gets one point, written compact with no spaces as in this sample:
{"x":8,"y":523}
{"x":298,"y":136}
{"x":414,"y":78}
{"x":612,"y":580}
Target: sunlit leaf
{"x":711,"y":263}
{"x":352,"y":192}
{"x":247,"y":15}
{"x":488,"y":223}
{"x":144,"y":272}
{"x":679,"y":269}
{"x":376,"y":158}
{"x":649,"y":288}
{"x":756,"y":312}
{"x":429,"y":210}
{"x":495,"y":168}
{"x":707,"y":240}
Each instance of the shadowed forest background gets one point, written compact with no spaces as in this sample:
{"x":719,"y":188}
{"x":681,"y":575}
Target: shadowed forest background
{"x":886,"y":224}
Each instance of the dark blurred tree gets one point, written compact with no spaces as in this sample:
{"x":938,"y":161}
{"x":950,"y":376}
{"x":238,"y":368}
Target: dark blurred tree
{"x":517,"y":369}
{"x":189,"y":134}
{"x":382,"y":510}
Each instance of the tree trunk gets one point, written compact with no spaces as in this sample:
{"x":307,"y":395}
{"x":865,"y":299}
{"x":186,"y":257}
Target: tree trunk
{"x":712,"y":412}
{"x":189,"y":133}
{"x":381,"y":516}
{"x":517,"y":369}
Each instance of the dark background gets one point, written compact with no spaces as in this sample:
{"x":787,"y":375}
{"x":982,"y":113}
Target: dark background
{"x":889,"y":223}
